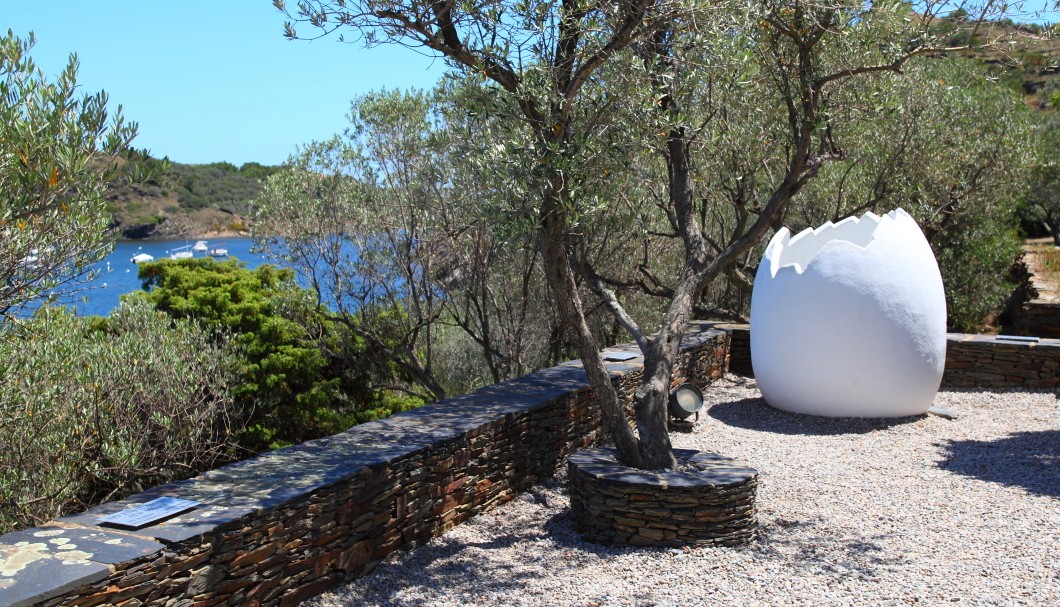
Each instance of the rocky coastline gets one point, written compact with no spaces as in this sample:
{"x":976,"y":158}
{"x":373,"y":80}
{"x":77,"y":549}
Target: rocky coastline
{"x":175,"y":227}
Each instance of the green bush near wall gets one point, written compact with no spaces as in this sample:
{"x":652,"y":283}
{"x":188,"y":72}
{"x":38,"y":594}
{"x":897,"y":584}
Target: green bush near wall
{"x":92,"y":410}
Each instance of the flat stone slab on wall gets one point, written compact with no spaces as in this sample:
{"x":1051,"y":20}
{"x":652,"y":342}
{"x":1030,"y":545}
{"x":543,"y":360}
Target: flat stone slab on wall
{"x":709,"y":503}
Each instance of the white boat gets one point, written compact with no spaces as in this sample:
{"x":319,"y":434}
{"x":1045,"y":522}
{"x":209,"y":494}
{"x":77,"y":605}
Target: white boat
{"x":142,"y":258}
{"x":199,"y":247}
{"x":218,"y":252}
{"x":183,"y":252}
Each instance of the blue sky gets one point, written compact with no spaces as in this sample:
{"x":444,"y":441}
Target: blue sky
{"x":212,"y":80}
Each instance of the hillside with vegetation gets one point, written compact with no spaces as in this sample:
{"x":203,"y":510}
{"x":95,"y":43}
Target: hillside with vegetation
{"x":182,"y":200}
{"x":1024,"y":57}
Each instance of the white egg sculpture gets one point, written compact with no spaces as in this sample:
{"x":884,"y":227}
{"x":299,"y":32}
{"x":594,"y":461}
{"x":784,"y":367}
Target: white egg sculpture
{"x":849,"y":320}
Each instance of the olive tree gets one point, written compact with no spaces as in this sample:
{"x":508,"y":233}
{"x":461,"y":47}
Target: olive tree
{"x":58,"y":152}
{"x":1043,"y":197}
{"x":389,"y":224}
{"x":956,"y":159}
{"x":355,"y":215}
{"x":550,"y":60}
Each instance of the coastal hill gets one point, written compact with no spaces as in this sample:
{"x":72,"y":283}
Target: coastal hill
{"x":1024,"y":57}
{"x":183,"y":200}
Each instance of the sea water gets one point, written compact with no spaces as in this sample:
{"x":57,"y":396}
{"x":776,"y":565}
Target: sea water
{"x":117,"y":274}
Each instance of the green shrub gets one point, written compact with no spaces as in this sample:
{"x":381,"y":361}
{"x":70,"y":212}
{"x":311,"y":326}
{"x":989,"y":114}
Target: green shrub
{"x":218,"y":184}
{"x":302,"y":376}
{"x":975,"y":258}
{"x":255,"y":170}
{"x":1050,"y":93}
{"x":96,"y":409}
{"x":1014,"y":81}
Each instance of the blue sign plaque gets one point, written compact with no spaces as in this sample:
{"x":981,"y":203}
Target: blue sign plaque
{"x":620,"y":355}
{"x":148,"y":513}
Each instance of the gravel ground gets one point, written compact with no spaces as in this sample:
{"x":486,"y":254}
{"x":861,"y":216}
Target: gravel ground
{"x":915,"y":511}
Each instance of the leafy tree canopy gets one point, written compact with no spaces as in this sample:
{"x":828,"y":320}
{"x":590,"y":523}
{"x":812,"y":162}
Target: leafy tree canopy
{"x":567,"y":75}
{"x":1043,"y":196}
{"x":299,"y":380}
{"x":56,"y":146}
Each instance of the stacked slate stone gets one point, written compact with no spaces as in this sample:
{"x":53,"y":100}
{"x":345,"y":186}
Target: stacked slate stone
{"x":739,"y":348}
{"x":983,"y":361}
{"x":710,"y":504}
{"x":988,"y":361}
{"x":1041,"y":318}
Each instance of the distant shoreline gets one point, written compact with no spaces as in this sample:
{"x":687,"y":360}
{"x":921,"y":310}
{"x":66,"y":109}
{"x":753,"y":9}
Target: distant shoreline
{"x":208,"y":236}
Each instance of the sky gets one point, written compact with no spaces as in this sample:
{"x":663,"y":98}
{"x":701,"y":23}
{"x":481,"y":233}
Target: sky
{"x":212,"y":80}
{"x":215,"y":80}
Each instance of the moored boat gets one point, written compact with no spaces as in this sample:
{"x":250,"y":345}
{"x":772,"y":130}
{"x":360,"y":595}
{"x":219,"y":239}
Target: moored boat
{"x":183,"y":252}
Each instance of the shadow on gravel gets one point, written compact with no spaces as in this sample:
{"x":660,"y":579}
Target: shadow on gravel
{"x":462,"y":568}
{"x":816,"y":548}
{"x":755,"y":414}
{"x":1029,"y":460}
{"x":450,"y":566}
{"x":810,"y":546}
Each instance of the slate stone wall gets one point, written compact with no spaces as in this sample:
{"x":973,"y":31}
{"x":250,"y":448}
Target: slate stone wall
{"x":989,"y":361}
{"x":713,"y":506}
{"x":984,"y":361}
{"x":279,"y":528}
{"x":1040,"y":318}
{"x":739,"y":348}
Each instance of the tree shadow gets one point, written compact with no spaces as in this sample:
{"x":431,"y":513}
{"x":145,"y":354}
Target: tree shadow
{"x":1028,"y":460}
{"x":450,"y":565}
{"x":463,"y":567}
{"x":811,"y":546}
{"x":755,"y":414}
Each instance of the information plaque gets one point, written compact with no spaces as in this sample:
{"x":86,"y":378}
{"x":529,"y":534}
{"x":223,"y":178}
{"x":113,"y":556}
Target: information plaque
{"x":1032,"y":340}
{"x":620,"y":355}
{"x":150,"y":512}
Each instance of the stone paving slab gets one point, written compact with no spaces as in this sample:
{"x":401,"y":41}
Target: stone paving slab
{"x":713,"y":469}
{"x":43,"y":562}
{"x":30,"y":572}
{"x":101,"y":545}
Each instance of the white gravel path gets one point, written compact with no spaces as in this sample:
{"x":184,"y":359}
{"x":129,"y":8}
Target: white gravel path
{"x":918,"y":511}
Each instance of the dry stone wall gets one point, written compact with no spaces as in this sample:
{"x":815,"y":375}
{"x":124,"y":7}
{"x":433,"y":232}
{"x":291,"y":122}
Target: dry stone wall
{"x":287,"y":525}
{"x":983,"y":361}
{"x":998,"y":361}
{"x":709,"y":503}
{"x":1038,"y":317}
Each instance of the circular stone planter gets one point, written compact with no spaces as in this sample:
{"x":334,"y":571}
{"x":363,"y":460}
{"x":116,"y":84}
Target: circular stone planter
{"x":710,"y":502}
